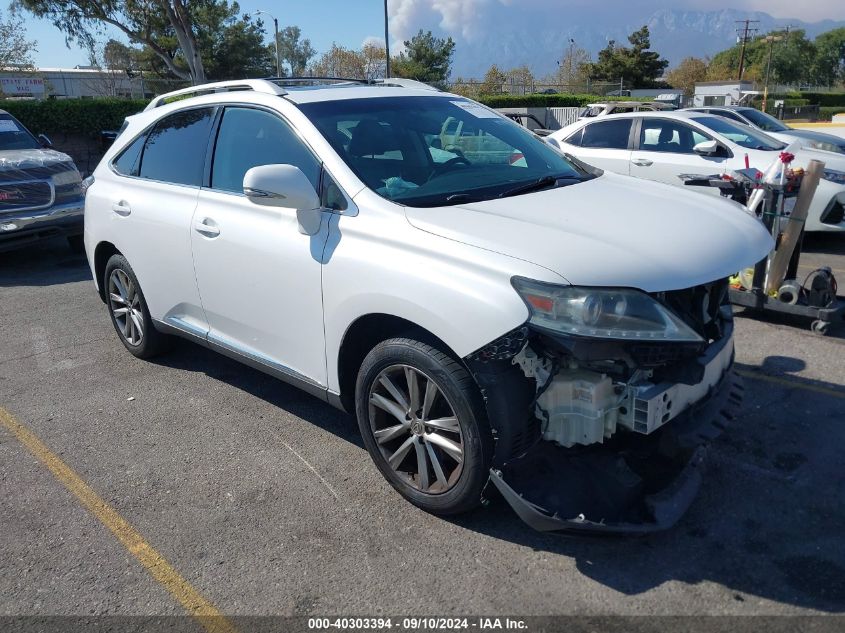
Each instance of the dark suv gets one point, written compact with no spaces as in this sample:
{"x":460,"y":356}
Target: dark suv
{"x":40,"y":189}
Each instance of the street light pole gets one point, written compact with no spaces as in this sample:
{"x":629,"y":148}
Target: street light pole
{"x":571,"y":53}
{"x":275,"y":40}
{"x":386,"y":44}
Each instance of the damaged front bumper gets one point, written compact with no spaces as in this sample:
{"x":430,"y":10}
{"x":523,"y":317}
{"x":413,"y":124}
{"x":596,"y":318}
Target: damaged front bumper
{"x":633,"y":483}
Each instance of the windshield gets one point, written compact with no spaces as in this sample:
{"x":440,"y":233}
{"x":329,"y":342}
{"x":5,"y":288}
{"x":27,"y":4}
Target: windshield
{"x":433,"y":151}
{"x":765,"y":122}
{"x":742,"y":135}
{"x":15,"y":136}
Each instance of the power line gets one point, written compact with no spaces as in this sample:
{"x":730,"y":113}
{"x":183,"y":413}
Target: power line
{"x":747,"y":31}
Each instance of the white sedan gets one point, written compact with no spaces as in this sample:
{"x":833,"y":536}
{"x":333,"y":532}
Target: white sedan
{"x":661,"y":145}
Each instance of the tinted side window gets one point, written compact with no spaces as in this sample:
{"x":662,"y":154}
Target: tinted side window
{"x":249,"y":138}
{"x":129,"y":160}
{"x":176,"y":146}
{"x":611,"y":134}
{"x":729,"y":115}
{"x":575,"y":139}
{"x":663,"y":135}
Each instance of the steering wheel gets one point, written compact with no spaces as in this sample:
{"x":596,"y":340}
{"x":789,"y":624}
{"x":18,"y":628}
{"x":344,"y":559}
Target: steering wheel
{"x":439,"y":169}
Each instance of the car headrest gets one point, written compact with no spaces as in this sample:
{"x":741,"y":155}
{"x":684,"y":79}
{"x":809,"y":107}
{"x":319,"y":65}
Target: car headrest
{"x":370,"y":138}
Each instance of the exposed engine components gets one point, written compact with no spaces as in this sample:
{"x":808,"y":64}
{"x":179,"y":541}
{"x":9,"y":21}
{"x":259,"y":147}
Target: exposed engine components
{"x":574,"y":406}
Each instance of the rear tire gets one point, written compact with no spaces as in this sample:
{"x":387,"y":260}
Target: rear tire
{"x":424,"y":424}
{"x":128,"y":310}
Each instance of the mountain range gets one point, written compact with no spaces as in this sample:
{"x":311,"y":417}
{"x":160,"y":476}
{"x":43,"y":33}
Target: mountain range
{"x":511,"y":41}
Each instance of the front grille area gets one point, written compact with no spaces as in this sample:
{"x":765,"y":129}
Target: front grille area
{"x":650,"y":355}
{"x":32,"y":194}
{"x":699,"y":307}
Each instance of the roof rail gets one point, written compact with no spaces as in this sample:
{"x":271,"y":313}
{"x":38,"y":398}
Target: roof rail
{"x":281,"y":81}
{"x":257,"y":85}
{"x":405,"y":83}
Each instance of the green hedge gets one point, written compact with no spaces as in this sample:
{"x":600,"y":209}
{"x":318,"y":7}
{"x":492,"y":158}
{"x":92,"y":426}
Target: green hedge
{"x":824,"y":99}
{"x":547,"y":101}
{"x":826,"y":113}
{"x":72,"y":116}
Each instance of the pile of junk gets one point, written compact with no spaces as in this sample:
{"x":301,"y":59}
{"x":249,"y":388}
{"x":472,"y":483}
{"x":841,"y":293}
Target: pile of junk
{"x":780,"y":197}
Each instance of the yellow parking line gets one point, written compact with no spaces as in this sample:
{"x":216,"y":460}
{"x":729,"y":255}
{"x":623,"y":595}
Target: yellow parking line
{"x":791,"y":382}
{"x":211,"y":619}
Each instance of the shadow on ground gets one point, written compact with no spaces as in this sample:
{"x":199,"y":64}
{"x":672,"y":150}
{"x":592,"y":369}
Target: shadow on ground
{"x":46,"y":263}
{"x":767,"y":523}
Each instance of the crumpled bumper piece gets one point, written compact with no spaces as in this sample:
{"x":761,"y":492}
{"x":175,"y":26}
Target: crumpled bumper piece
{"x":632,"y":484}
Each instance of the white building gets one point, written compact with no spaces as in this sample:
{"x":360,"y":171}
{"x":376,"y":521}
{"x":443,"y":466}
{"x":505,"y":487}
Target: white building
{"x":715,"y":93}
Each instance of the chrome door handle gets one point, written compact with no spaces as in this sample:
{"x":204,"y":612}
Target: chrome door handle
{"x":207,"y":227}
{"x":642,"y":162}
{"x":122,"y":208}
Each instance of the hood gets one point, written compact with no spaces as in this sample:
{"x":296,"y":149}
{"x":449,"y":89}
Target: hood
{"x":611,"y":231}
{"x":24,"y":159}
{"x":805,"y":136}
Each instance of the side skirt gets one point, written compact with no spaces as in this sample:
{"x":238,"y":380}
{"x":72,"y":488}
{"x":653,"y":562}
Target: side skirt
{"x":281,"y":372}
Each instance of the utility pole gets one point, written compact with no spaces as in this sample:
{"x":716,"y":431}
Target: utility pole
{"x":386,"y":44}
{"x":571,"y":53}
{"x":746,"y":33}
{"x":771,"y":39}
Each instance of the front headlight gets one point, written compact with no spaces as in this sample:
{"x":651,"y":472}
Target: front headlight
{"x":69,"y":177}
{"x":834,"y":176}
{"x":610,"y":313}
{"x":825,"y":146}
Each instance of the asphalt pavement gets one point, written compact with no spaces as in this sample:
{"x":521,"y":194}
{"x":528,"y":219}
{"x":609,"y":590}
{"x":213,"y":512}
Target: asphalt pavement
{"x":264,"y":500}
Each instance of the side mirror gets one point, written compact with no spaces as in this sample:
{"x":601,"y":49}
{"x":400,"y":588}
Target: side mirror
{"x":707,"y":148}
{"x":285,"y":186}
{"x":45,"y":141}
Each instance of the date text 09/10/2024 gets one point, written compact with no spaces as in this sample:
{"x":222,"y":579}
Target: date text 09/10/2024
{"x":417,"y":624}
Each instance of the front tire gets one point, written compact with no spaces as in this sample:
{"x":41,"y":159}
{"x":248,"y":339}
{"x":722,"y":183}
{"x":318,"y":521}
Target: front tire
{"x":423,"y":423}
{"x":128,"y":310}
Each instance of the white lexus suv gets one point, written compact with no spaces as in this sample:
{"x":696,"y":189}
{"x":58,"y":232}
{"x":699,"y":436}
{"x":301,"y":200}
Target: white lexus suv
{"x":495,"y":314}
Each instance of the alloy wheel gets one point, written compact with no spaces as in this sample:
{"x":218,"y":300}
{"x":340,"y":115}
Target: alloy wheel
{"x":125,"y":304}
{"x":416,"y":429}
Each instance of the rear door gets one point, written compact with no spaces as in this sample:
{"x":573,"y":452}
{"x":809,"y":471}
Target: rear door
{"x":665,"y":150}
{"x":604,"y":143}
{"x":152,"y":201}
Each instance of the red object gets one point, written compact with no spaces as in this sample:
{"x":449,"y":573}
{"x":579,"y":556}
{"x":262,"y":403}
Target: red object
{"x":747,"y":164}
{"x":786,"y":157}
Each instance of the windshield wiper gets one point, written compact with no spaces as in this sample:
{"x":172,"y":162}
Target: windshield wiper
{"x":536,"y":185}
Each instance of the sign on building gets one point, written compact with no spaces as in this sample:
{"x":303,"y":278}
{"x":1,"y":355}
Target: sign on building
{"x":22,"y":86}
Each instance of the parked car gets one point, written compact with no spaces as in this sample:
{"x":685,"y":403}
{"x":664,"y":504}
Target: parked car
{"x":40,"y":189}
{"x":662,"y":145}
{"x":593,"y":110}
{"x":485,"y":318}
{"x":811,"y":139}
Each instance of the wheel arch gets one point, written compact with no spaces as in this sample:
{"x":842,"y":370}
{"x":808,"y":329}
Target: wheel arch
{"x":102,"y":253}
{"x":363,"y":335}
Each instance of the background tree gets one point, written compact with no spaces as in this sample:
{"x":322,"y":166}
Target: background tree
{"x":685,"y":75}
{"x":339,"y":61}
{"x":520,"y":78}
{"x":493,"y":80}
{"x":426,"y":58}
{"x":829,"y":63}
{"x":293,"y":50}
{"x":374,"y":60}
{"x":637,"y":65}
{"x":183,"y":36}
{"x":15,"y":49}
{"x":573,"y":69}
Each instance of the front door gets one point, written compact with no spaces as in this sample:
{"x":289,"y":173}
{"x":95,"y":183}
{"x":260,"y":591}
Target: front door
{"x":665,"y":150}
{"x":259,"y":277}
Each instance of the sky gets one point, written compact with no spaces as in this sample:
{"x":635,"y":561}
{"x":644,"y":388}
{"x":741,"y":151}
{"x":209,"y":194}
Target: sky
{"x":351,"y":22}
